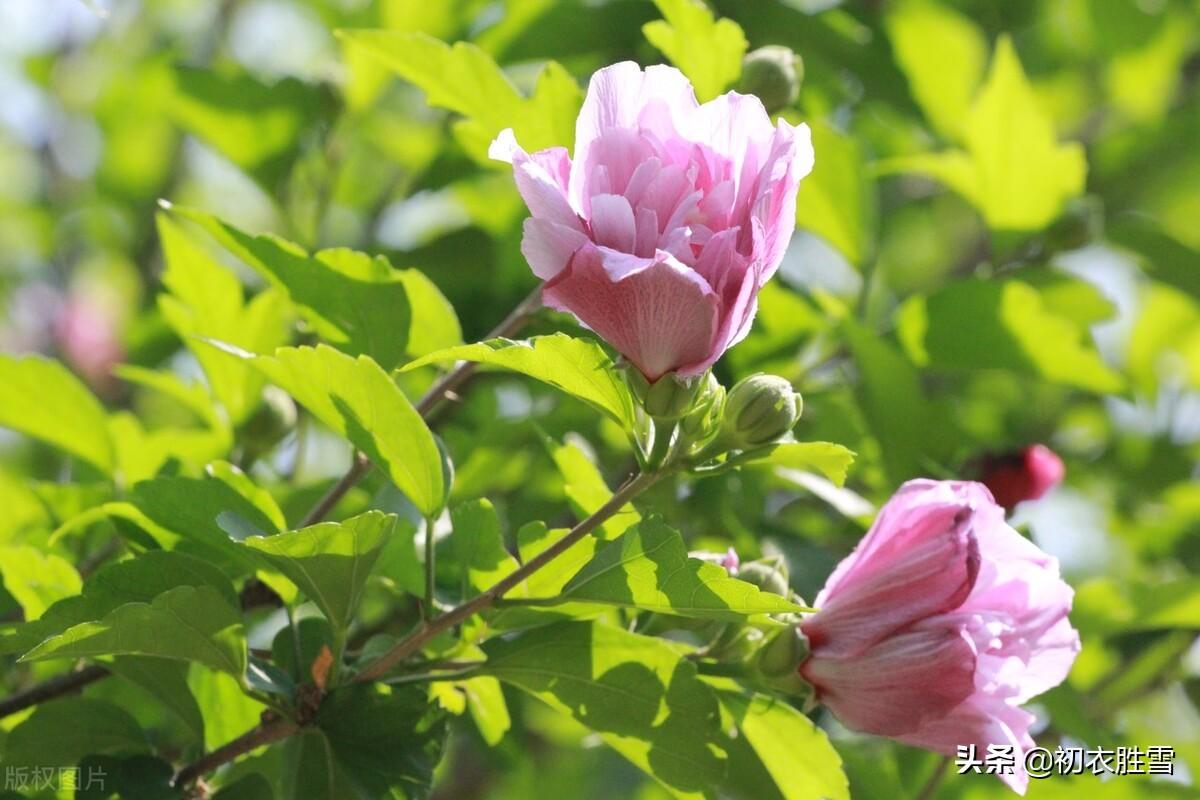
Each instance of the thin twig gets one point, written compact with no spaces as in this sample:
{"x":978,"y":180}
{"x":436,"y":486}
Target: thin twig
{"x":48,"y":690}
{"x":935,"y":780}
{"x":426,"y":631}
{"x":272,"y":730}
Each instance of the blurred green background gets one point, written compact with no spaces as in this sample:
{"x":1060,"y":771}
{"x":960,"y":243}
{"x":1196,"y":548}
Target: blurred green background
{"x":1000,"y":245}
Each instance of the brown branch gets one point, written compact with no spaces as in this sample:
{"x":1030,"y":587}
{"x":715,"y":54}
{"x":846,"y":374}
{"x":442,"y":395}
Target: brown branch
{"x":58,"y":686}
{"x":428,"y":630}
{"x":271,"y":730}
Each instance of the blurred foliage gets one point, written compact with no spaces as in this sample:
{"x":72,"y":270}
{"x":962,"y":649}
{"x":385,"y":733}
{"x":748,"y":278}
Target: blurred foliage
{"x":998,"y":246}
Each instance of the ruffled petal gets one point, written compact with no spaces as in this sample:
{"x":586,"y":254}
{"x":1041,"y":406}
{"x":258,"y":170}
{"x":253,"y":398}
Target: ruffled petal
{"x":657,"y":312}
{"x":548,"y":246}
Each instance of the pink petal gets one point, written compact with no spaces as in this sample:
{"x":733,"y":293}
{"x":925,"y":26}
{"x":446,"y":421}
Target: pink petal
{"x":612,"y":222}
{"x":548,"y":246}
{"x":656,"y":312}
{"x":541,"y":178}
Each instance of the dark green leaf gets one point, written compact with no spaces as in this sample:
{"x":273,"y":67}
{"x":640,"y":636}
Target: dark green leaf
{"x":54,"y":736}
{"x":479,"y":546}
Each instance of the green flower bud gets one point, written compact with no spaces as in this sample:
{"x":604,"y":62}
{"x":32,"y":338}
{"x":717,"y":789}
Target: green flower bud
{"x":782,"y":654}
{"x":670,"y":397}
{"x":773,"y":73}
{"x":760,"y":409}
{"x":704,"y":419}
{"x":769,"y":574}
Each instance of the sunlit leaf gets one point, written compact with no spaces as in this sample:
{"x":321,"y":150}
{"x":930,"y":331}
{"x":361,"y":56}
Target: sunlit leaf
{"x":579,"y":367}
{"x":188,"y":623}
{"x":837,"y":201}
{"x":35,"y":579}
{"x":830,"y":460}
{"x":706,"y":49}
{"x":359,"y":400}
{"x":42,"y":399}
{"x":1012,"y":168}
{"x":479,"y":546}
{"x":586,"y":490}
{"x":330,"y":562}
{"x":1010,"y":327}
{"x":648,"y":567}
{"x":359,"y":304}
{"x":635,"y":691}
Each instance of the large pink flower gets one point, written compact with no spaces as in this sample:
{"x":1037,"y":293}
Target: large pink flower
{"x":671,"y":217}
{"x":940,"y":625}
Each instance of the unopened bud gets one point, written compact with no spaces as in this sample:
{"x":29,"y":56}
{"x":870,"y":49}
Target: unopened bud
{"x":774,"y":74}
{"x":1024,"y":475}
{"x":769,"y":574}
{"x":782,"y":654}
{"x":727,"y":560}
{"x":670,"y":397}
{"x":271,"y":422}
{"x":761,"y":409}
{"x":704,"y":418}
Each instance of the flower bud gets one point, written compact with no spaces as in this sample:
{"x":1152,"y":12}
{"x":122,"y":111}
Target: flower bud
{"x":727,"y":560}
{"x":769,"y":574}
{"x":1025,"y":475}
{"x":669,"y":397}
{"x":777,"y":663}
{"x":704,"y":418}
{"x":773,"y":73}
{"x":760,"y":409}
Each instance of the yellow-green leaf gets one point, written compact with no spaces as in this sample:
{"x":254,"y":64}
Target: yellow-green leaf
{"x":706,"y":49}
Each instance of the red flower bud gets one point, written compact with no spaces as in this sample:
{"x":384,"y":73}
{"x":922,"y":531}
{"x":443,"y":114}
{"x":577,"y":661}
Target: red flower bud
{"x":1025,"y":475}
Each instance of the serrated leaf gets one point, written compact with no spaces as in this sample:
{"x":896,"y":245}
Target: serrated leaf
{"x":586,"y":490}
{"x":479,"y":546}
{"x":828,"y":459}
{"x":1012,"y":168}
{"x":139,"y":579}
{"x":358,"y":400}
{"x":53,"y":735}
{"x":36,"y":580}
{"x":579,"y":367}
{"x":1010,"y":327}
{"x":44,"y":400}
{"x":359,"y":304}
{"x":188,"y":623}
{"x":796,"y":753}
{"x":706,"y":49}
{"x":463,"y":78}
{"x":330,"y":562}
{"x":205,"y":301}
{"x":942,"y":78}
{"x":636,"y":692}
{"x":166,"y":681}
{"x":648,"y":568}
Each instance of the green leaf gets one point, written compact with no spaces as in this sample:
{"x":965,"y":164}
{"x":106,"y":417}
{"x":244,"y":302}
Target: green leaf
{"x":238,"y":711}
{"x":829,"y":459}
{"x":465,"y":79}
{"x":706,"y":49}
{"x":837,"y":201}
{"x":893,"y":402}
{"x":208,"y":514}
{"x":205,"y":301}
{"x":579,"y":367}
{"x":1165,"y":341}
{"x":166,"y":681}
{"x":36,"y":580}
{"x":255,"y":125}
{"x":330,"y":561}
{"x":44,"y":400}
{"x":648,"y":568}
{"x":139,"y":579}
{"x":188,"y":623}
{"x":1012,"y":169}
{"x":369,"y":742}
{"x":61,"y":733}
{"x":1010,"y":327}
{"x":479,"y":546}
{"x":942,"y":77}
{"x":795,"y":752}
{"x":357,"y":399}
{"x":636,"y":692}
{"x":586,"y":489}
{"x":534,"y":538}
{"x":359,"y":304}
{"x":485,"y":701}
